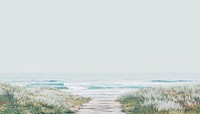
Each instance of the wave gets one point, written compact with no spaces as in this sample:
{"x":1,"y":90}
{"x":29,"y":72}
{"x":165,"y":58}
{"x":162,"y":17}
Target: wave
{"x":58,"y":85}
{"x":172,"y":81}
{"x":52,"y":80}
{"x":119,"y":87}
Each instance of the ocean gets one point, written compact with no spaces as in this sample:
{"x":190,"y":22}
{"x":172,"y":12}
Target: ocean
{"x":99,"y":85}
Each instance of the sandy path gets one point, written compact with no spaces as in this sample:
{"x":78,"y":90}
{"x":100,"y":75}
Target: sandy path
{"x":101,"y":107}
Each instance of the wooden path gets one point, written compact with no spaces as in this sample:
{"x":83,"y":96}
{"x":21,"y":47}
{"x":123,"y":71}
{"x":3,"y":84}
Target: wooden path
{"x":97,"y":106}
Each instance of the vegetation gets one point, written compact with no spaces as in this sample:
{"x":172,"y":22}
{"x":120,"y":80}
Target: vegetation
{"x":163,"y":100}
{"x":31,"y":100}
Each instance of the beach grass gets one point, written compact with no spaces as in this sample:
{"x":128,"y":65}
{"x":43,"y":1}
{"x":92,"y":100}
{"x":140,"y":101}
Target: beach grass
{"x":183,"y":99}
{"x":31,"y":100}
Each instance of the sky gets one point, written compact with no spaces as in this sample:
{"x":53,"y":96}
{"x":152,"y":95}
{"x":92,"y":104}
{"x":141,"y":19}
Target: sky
{"x":99,"y":36}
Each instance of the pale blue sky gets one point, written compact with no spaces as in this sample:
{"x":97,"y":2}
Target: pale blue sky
{"x":99,"y":36}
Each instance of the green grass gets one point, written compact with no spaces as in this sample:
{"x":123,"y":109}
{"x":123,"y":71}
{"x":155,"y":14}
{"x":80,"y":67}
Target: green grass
{"x":132,"y":106}
{"x":23,"y":100}
{"x":163,"y":100}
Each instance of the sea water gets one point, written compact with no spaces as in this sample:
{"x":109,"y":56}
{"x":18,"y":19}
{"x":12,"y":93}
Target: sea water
{"x":99,"y":85}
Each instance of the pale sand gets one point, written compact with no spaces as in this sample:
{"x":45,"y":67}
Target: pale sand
{"x":97,"y":106}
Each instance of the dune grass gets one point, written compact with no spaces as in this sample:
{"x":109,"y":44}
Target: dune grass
{"x":163,"y":100}
{"x":31,"y":100}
